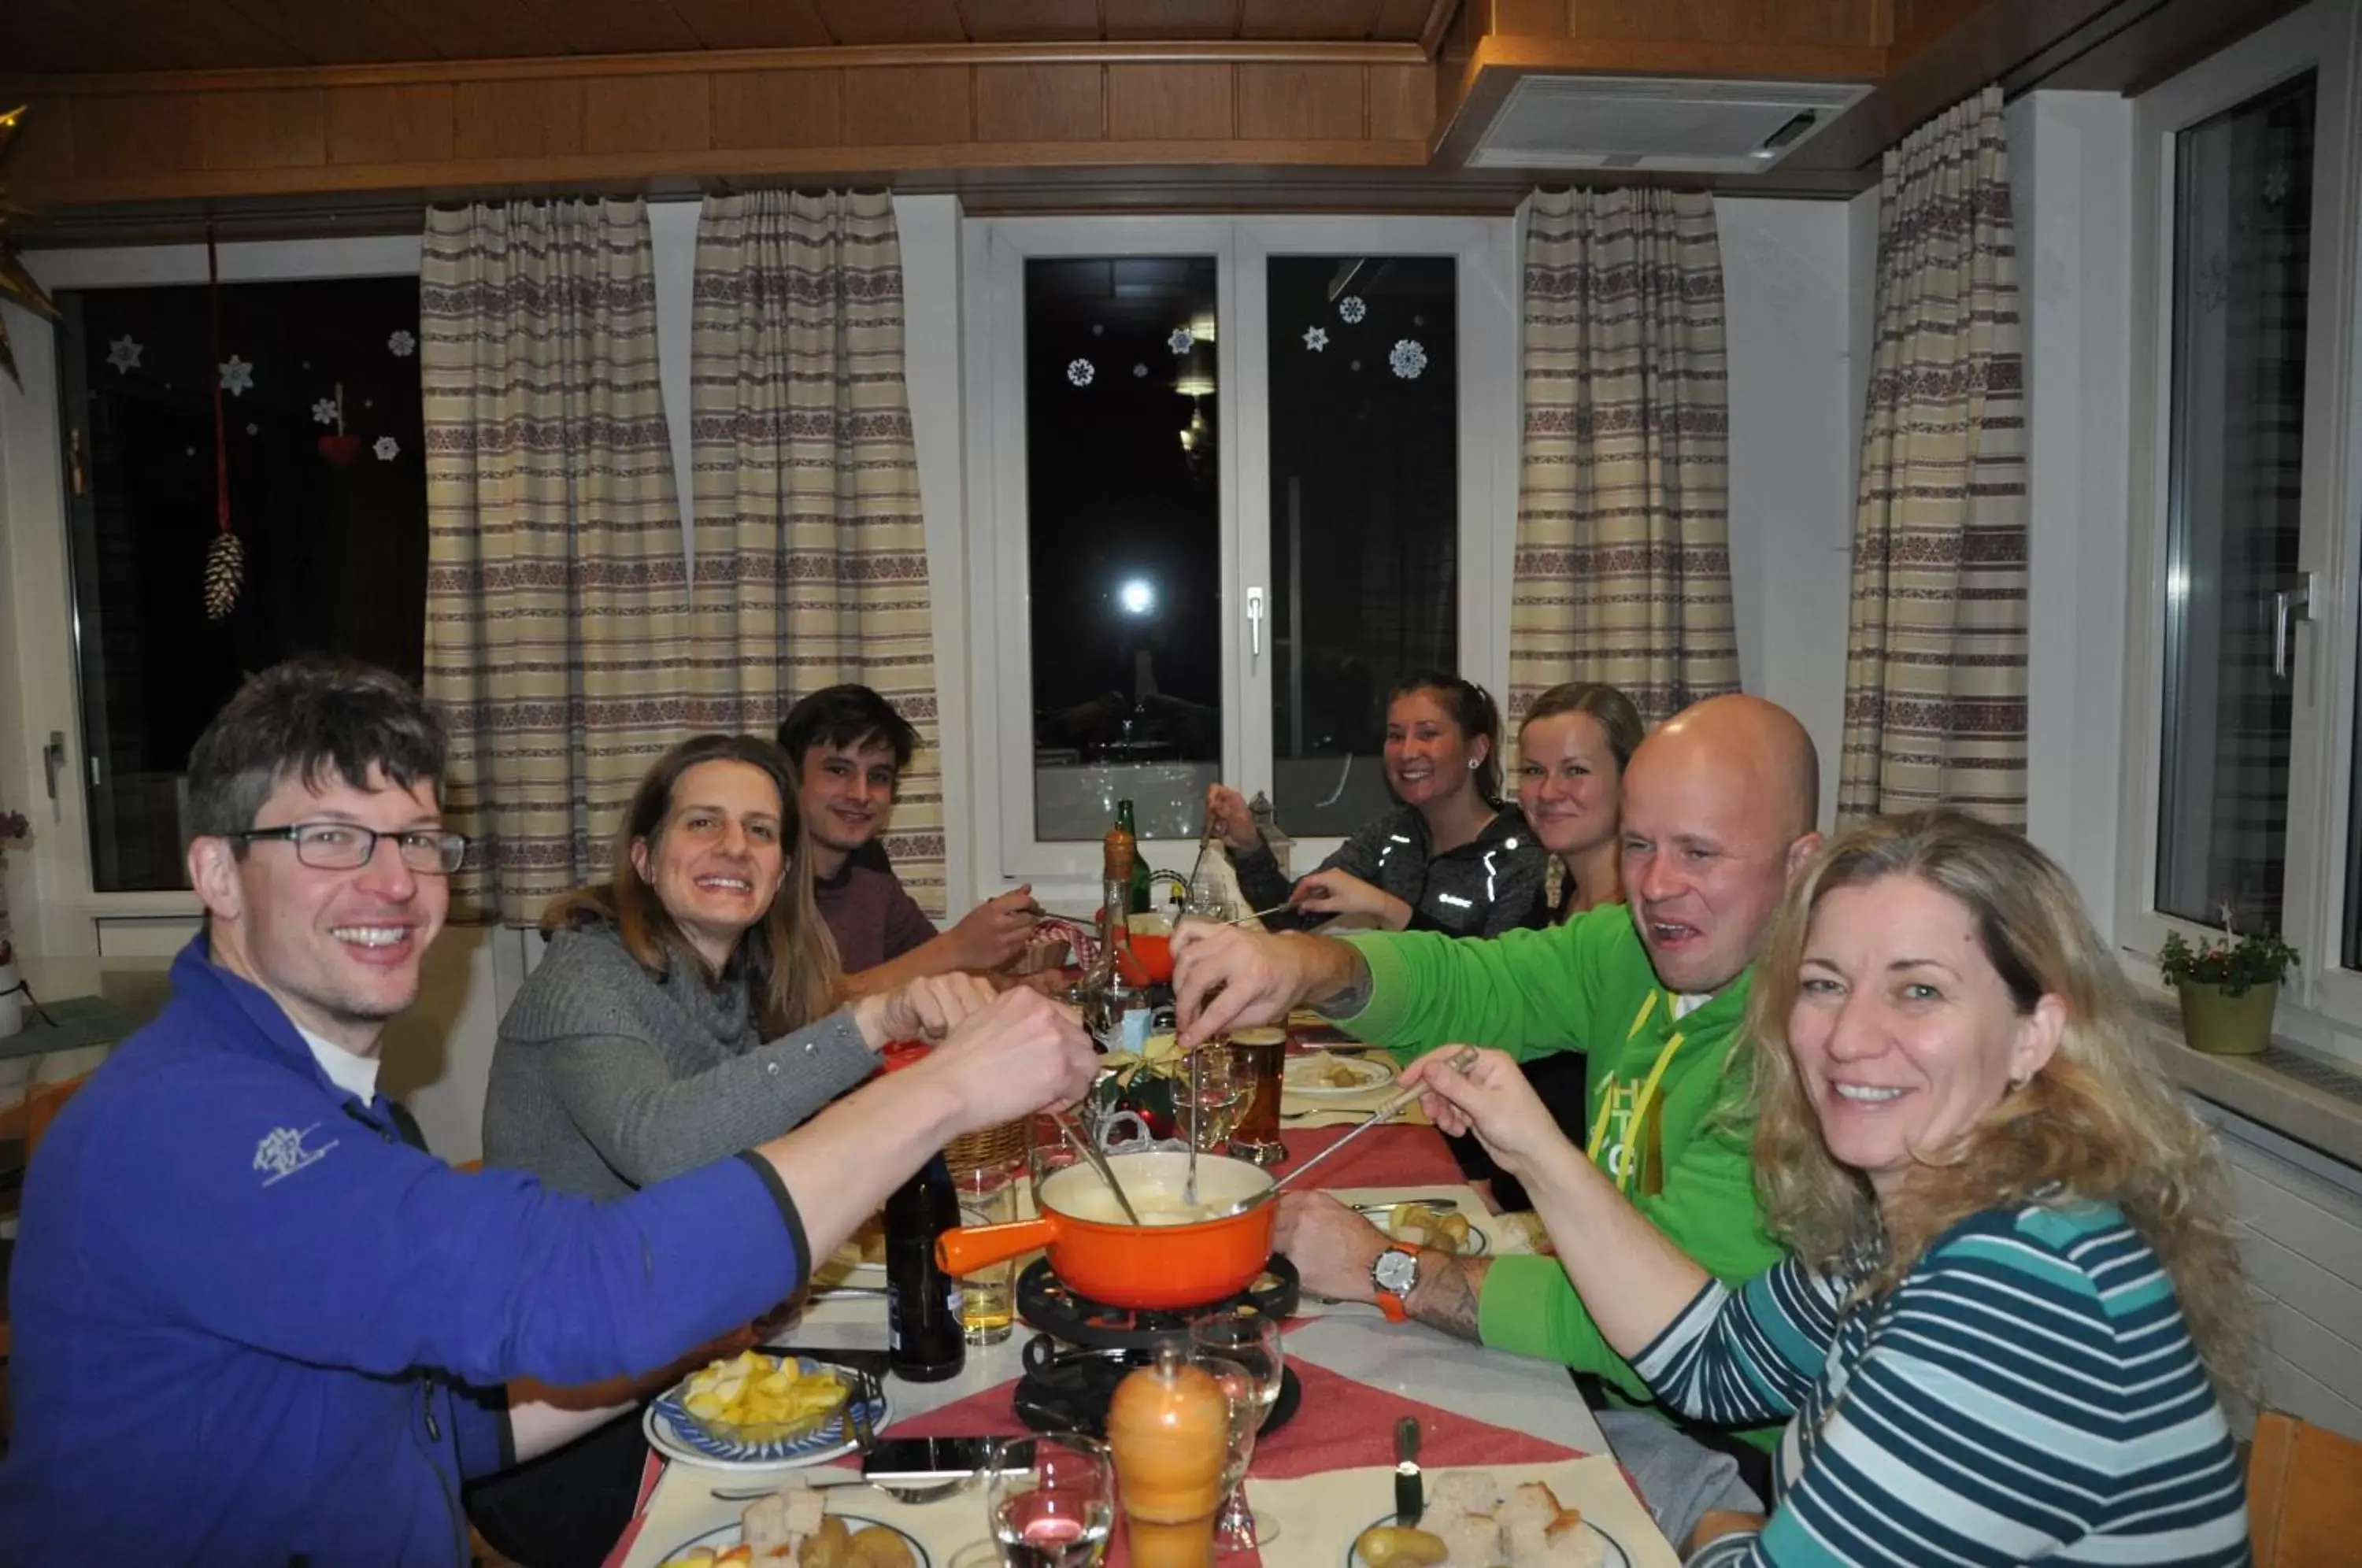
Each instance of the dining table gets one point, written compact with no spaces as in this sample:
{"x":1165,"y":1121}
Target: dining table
{"x":1322,"y":1476}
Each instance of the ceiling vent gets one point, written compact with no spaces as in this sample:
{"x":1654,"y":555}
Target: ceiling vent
{"x":1653,"y":123}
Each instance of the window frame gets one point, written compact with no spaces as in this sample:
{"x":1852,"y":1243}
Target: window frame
{"x":65,"y":915}
{"x":994,"y":251}
{"x":2322,"y":38}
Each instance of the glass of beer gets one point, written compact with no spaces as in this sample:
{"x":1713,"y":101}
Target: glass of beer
{"x":988,"y":1304}
{"x":1257,"y":1059}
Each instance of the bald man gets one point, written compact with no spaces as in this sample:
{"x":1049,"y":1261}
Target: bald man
{"x":1719,"y":806}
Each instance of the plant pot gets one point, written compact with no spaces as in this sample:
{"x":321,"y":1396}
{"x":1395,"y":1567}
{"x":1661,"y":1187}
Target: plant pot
{"x":2226,"y":1025}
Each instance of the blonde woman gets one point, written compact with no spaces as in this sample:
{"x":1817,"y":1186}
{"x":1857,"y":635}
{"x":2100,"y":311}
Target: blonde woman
{"x":1572,"y":749}
{"x":2011,"y":1302}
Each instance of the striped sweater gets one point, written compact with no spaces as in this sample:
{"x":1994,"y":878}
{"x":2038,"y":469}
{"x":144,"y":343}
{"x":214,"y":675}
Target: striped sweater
{"x":2027,"y":1392}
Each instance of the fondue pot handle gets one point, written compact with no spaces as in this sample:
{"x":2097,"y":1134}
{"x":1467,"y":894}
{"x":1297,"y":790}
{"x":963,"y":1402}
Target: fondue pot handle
{"x":967,"y":1248}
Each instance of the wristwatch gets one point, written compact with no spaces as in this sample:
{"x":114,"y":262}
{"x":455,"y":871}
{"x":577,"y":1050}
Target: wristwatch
{"x":1392,"y":1275}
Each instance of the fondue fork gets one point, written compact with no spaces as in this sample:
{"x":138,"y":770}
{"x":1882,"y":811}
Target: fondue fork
{"x":1097,"y":1160}
{"x":1462,"y":1062}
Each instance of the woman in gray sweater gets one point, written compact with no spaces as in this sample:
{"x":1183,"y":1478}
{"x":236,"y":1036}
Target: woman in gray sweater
{"x":685,"y":1008}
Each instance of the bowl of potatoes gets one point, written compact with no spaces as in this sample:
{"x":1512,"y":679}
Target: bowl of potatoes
{"x":756,"y":1406}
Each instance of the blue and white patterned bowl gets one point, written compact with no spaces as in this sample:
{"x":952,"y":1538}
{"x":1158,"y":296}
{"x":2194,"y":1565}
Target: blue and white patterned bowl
{"x":831,"y":1436}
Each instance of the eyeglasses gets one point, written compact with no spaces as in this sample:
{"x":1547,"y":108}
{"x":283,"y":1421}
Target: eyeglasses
{"x":344,"y":846}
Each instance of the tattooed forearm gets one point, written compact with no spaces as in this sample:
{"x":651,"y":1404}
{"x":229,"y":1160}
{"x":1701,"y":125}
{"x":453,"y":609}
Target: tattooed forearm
{"x":1353,"y":995}
{"x":1445,"y":1297}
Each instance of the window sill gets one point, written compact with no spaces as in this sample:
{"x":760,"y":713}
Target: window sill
{"x":2297,"y":1093}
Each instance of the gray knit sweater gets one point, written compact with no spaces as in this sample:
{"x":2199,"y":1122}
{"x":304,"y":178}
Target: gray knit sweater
{"x":604,"y":1081}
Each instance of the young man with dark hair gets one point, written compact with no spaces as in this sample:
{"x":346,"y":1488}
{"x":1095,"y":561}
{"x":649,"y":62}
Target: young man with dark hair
{"x":849,"y":747}
{"x":255,"y":1324}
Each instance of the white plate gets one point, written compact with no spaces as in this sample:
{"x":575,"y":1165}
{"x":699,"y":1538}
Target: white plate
{"x":1374,"y":1071}
{"x":660,"y":1434}
{"x":1476,"y":1246}
{"x":1614,"y":1556}
{"x":729,"y":1535}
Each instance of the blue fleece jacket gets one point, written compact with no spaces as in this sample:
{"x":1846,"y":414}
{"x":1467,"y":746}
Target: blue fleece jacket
{"x":254,"y":1327}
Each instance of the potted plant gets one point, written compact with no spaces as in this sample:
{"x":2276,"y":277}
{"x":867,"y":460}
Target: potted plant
{"x":2228,"y":987}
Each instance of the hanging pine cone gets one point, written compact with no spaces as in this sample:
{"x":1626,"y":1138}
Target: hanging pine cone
{"x":225,"y":575}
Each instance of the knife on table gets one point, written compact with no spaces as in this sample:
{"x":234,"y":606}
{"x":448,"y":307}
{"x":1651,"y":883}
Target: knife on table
{"x":1410,"y":1500}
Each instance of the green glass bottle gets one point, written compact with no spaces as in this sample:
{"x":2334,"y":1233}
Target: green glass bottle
{"x":1136,"y":902}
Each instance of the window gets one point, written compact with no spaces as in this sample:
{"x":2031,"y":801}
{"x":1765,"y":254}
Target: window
{"x":324,"y":441}
{"x":2242,"y":249}
{"x":2240,"y":800}
{"x":1228,"y":481}
{"x":1124,"y":549}
{"x":1365,"y":501}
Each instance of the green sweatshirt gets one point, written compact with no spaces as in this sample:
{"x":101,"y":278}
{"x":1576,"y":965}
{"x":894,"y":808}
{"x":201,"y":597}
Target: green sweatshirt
{"x":1587,"y":986}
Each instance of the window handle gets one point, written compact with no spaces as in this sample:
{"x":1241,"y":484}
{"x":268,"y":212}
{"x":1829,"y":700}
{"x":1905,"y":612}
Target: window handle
{"x":2291,"y":605}
{"x":1254,"y":622}
{"x":53,"y":762}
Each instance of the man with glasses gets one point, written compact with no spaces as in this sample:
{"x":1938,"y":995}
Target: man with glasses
{"x":253,"y":1323}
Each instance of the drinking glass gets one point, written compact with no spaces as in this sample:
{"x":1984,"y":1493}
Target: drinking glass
{"x":1207,"y":1094}
{"x":1243,"y":1351}
{"x":1258,"y":1057}
{"x":988,"y":1196}
{"x":1051,"y":1500}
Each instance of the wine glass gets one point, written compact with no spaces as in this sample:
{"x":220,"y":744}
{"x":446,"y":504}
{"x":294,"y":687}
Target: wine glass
{"x":1209,"y":1095}
{"x":1243,"y":1351}
{"x":1051,"y":1499}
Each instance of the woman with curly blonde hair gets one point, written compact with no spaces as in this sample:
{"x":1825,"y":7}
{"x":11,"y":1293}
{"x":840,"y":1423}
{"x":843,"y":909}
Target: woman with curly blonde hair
{"x":2011,"y":1304}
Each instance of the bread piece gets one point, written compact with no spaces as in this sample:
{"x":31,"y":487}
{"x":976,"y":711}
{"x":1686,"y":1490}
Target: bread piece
{"x":1473,"y":1539}
{"x":1461,"y":1492}
{"x":1565,"y":1544}
{"x":1532,"y":1503}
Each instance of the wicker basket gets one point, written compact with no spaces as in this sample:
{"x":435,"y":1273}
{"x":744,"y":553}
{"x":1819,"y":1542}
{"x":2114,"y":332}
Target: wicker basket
{"x":988,"y":1149}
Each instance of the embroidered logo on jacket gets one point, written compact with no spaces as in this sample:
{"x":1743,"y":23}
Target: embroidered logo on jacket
{"x":282,"y":1153}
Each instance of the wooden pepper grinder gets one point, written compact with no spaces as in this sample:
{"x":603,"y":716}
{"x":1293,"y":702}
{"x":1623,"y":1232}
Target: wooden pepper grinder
{"x":1169,"y":1425}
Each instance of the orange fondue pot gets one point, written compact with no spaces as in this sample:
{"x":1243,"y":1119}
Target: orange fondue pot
{"x":1100,"y":1254}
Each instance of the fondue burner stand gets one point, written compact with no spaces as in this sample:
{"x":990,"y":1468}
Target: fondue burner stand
{"x":1084,"y":1348}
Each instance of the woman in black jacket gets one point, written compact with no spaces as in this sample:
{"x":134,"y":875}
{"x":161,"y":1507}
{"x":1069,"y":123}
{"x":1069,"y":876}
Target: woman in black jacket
{"x":1452,"y":857}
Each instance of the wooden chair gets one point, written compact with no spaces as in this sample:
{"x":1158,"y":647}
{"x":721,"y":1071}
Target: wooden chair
{"x":2304,"y":1495}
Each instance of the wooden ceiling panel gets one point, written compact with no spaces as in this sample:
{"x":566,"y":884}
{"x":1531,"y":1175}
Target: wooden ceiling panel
{"x":471,"y":29}
{"x":59,"y":34}
{"x":1173,"y":19}
{"x":1308,"y":18}
{"x":892,"y":21}
{"x":1024,"y":21}
{"x":1402,"y":21}
{"x":752,"y":24}
{"x":166,"y":35}
{"x":613,"y":26}
{"x":354,"y":33}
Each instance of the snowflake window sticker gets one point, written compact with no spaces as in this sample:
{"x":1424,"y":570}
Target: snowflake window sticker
{"x":123,"y":354}
{"x":402,"y":345}
{"x":387,"y":448}
{"x":324,"y":412}
{"x":1080,"y":372}
{"x":1352,"y":309}
{"x":1139,"y":372}
{"x":1408,"y":360}
{"x":237,"y":376}
{"x":1182,"y":340}
{"x":1316,"y":338}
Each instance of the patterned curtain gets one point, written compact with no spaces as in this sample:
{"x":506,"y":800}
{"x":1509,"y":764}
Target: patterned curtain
{"x":1936,"y":653}
{"x":811,"y":552}
{"x":1623,"y":558}
{"x":557,"y":595}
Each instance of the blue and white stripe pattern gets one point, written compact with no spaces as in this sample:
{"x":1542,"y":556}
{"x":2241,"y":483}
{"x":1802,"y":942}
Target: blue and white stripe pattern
{"x":2028,"y":1392}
